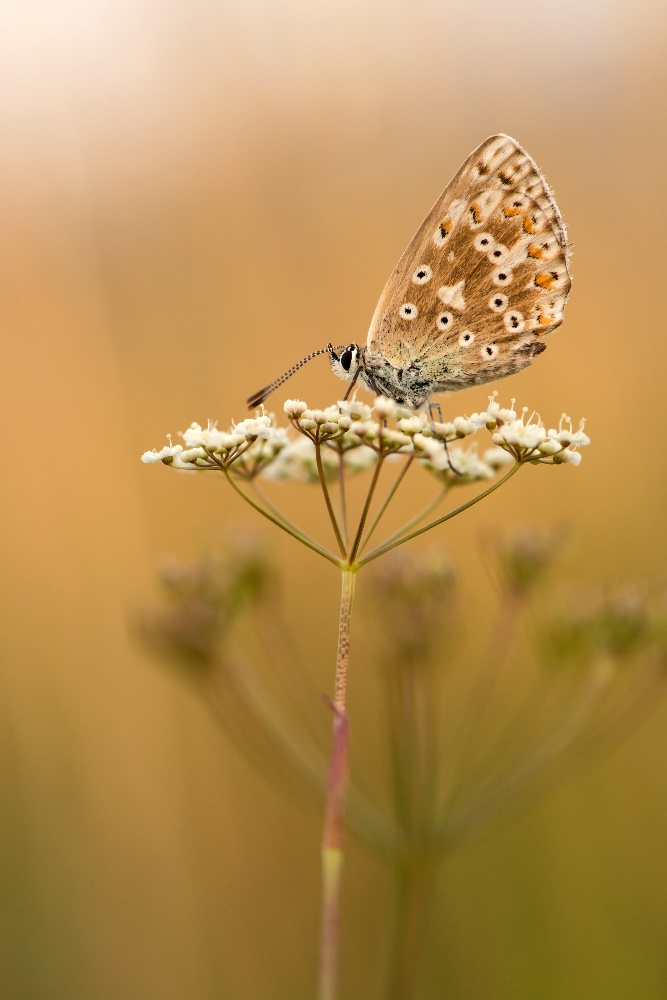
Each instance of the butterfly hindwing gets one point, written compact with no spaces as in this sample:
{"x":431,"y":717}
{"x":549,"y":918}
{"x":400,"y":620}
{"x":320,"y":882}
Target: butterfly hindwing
{"x":484,"y":278}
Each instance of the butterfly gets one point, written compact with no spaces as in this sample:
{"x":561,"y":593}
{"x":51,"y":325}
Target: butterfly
{"x":482,"y":282}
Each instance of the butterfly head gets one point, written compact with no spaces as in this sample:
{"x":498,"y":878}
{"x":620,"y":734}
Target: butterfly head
{"x":346,"y":363}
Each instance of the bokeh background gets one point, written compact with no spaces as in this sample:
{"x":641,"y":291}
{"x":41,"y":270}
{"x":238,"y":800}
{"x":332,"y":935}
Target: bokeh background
{"x":194,"y":195}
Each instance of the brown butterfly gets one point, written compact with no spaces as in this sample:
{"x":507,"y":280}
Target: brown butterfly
{"x":482,"y":282}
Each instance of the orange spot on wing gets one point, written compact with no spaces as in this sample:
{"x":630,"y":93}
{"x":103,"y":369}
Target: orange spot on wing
{"x":535,"y":252}
{"x":546,"y":320}
{"x":544,"y":280}
{"x":530,"y":224}
{"x":476,"y":211}
{"x":510,"y":210}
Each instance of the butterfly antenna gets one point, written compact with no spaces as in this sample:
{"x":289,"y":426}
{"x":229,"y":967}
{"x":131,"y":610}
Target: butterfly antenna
{"x":258,"y":397}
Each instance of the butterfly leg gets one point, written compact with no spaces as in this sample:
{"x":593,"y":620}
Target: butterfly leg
{"x":352,"y":383}
{"x":435,"y":408}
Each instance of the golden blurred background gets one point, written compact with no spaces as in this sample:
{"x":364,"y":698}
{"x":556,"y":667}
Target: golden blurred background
{"x":194,"y":196}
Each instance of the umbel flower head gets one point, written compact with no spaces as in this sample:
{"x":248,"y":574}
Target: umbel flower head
{"x":356,"y":433}
{"x":330,"y":445}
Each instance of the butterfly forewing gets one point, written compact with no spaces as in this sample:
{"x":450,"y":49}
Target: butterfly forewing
{"x":484,"y":278}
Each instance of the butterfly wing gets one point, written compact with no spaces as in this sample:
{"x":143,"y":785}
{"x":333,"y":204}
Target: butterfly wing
{"x":484,"y":278}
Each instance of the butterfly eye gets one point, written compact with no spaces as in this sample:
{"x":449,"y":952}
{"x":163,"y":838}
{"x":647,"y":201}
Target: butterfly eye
{"x":502,"y":276}
{"x":514,"y":321}
{"x":484,"y":242}
{"x":422,"y":275}
{"x":490,"y":351}
{"x":498,"y":303}
{"x":346,"y":359}
{"x":445,"y":320}
{"x":466,"y":338}
{"x":498,"y":254}
{"x":408,"y":311}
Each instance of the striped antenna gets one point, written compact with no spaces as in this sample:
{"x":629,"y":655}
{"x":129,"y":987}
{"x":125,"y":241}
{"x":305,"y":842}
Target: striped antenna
{"x":258,"y":397}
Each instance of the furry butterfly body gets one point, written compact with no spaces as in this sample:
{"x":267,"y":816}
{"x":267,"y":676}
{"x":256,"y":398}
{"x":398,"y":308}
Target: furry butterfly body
{"x":482,"y":282}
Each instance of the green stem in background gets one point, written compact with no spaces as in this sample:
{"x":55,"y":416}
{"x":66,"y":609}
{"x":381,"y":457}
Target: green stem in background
{"x":332,"y":834}
{"x":522,"y":774}
{"x":484,"y":687}
{"x":413,"y":882}
{"x":388,"y":546}
{"x":300,"y":537}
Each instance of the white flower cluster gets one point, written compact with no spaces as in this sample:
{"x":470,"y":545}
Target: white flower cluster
{"x":457,"y":466}
{"x":298,"y":462}
{"x":248,"y":446}
{"x":527,"y":439}
{"x":356,"y":433}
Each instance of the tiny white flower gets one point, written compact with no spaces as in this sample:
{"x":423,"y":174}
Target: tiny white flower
{"x":567,"y":436}
{"x":193,"y":435}
{"x":191,"y":455}
{"x":496,"y":414}
{"x":571,"y":457}
{"x":458,"y":467}
{"x":355,"y":409}
{"x":412,"y":425}
{"x":395,"y":439}
{"x":464,"y":426}
{"x":350,"y":440}
{"x":469,"y":466}
{"x":506,"y":416}
{"x":496,"y":458}
{"x":441,"y":431}
{"x":517,"y":433}
{"x":437,"y":459}
{"x":168,"y":452}
{"x":550,"y":447}
{"x":254,"y":427}
{"x":367,"y":429}
{"x":478,"y":420}
{"x":227,"y":442}
{"x":428,"y":446}
{"x":294,"y":407}
{"x":297,"y":462}
{"x":385,"y":408}
{"x":359,"y":459}
{"x":210,"y":438}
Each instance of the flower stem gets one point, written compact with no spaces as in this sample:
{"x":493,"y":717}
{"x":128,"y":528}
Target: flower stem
{"x":327,"y":497}
{"x":364,"y":514}
{"x":332,"y":834}
{"x":342,"y":496}
{"x":424,"y":512}
{"x":387,"y":500}
{"x":381,"y":549}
